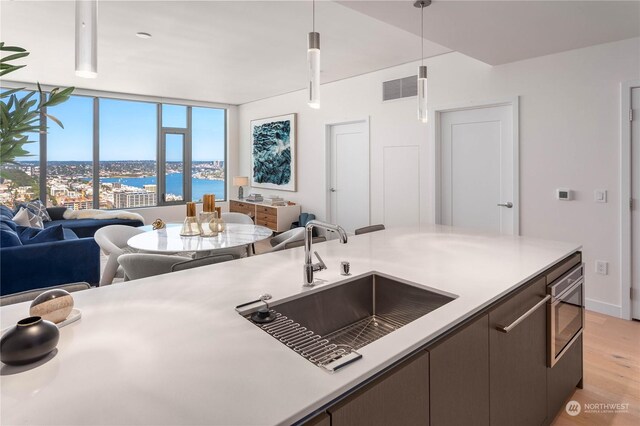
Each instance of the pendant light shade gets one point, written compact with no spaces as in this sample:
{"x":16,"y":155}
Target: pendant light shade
{"x":423,"y":114}
{"x":422,"y":94}
{"x":313,"y":57}
{"x":313,"y":60}
{"x":87,"y":38}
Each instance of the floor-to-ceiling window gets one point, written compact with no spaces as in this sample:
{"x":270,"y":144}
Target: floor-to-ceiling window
{"x":208,"y":136}
{"x":128,"y":150}
{"x":70,"y":154}
{"x":118,"y":153}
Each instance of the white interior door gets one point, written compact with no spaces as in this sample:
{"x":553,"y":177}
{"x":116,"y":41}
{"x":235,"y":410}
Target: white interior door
{"x":635,"y":194}
{"x":349,"y":175}
{"x":478,"y":180}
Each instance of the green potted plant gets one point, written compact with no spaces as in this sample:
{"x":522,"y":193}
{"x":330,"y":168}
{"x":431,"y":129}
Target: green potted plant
{"x":20,"y":116}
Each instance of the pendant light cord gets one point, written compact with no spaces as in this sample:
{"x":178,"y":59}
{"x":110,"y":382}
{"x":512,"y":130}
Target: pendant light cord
{"x":422,"y":35}
{"x":313,"y":14}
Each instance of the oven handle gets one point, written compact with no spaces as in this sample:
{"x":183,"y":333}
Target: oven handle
{"x":510,"y":327}
{"x":556,"y":299}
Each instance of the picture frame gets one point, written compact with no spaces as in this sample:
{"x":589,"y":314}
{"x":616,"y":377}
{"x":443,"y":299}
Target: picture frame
{"x":273,"y":152}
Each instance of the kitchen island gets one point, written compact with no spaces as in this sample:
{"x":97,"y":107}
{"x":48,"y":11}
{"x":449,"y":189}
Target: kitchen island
{"x":172,"y":349}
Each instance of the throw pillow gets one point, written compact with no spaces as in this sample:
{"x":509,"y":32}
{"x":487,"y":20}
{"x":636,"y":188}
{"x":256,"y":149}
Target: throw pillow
{"x":26,"y":217}
{"x":56,"y":213}
{"x":36,"y":206}
{"x":8,"y":236}
{"x":6,"y":211}
{"x":30,"y":235}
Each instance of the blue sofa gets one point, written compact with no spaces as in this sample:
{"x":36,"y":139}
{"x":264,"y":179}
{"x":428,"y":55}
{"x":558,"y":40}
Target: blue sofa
{"x":84,"y":227}
{"x":72,"y":259}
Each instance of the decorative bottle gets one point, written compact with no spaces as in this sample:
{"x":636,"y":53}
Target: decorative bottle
{"x":207,"y":215}
{"x":191,"y":227}
{"x":213,"y":224}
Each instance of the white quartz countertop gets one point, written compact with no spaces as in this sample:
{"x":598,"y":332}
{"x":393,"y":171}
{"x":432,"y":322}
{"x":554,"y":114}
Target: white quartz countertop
{"x":172,"y":349}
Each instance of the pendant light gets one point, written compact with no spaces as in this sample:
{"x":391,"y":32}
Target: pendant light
{"x":313,"y":59}
{"x":87,"y":38}
{"x":422,"y":69}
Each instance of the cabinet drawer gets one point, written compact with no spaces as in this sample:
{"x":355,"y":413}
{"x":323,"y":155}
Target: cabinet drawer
{"x":269,"y":224}
{"x":267,"y":217}
{"x":268,"y":210}
{"x":518,"y":358}
{"x":238,"y":207}
{"x":398,"y":397}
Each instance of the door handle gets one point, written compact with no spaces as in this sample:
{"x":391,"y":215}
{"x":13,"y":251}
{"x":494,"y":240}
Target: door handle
{"x":508,"y":204}
{"x":332,"y":190}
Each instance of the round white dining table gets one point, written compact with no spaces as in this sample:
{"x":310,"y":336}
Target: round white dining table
{"x":169,"y":240}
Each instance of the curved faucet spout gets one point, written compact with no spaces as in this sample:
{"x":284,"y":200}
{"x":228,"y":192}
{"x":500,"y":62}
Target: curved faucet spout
{"x":309,"y":266}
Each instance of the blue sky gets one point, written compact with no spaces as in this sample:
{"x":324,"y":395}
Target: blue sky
{"x":127,"y":131}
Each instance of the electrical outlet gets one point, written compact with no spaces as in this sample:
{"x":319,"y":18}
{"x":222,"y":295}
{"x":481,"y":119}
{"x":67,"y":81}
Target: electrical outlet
{"x":602,"y":267}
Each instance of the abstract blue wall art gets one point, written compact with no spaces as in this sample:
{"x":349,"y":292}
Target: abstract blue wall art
{"x":273,"y":153}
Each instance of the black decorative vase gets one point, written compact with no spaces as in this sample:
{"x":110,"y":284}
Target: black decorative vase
{"x":30,"y":340}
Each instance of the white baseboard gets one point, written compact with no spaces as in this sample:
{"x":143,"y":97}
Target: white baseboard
{"x":603,"y":308}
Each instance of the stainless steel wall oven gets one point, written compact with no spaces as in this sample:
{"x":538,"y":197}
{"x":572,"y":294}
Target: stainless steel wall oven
{"x":565,"y":313}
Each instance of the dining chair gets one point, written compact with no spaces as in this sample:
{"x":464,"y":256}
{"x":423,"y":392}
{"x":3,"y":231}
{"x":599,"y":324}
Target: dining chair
{"x":142,"y":265}
{"x":291,"y":239}
{"x":243,"y":219}
{"x":25,"y":296}
{"x":371,"y":228}
{"x":112,"y":240}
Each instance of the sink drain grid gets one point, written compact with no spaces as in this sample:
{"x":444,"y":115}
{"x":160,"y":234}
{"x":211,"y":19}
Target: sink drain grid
{"x":315,"y":348}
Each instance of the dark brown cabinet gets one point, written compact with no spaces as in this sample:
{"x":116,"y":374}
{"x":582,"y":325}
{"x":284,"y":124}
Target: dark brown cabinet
{"x":518,"y":358}
{"x":398,"y":397}
{"x":563,"y":378}
{"x":491,"y":370}
{"x":459,"y":377}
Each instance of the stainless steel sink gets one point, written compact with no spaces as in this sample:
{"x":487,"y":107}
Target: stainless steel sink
{"x":329,"y":326}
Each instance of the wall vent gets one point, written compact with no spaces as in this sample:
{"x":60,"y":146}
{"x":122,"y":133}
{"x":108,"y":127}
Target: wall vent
{"x":400,"y":88}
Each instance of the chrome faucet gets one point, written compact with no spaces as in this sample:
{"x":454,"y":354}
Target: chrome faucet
{"x":309,"y":266}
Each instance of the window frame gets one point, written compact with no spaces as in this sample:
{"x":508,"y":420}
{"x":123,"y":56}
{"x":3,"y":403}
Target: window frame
{"x":96,"y":95}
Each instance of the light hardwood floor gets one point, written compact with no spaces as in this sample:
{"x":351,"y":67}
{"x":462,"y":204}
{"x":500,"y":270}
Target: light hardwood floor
{"x":611,"y":372}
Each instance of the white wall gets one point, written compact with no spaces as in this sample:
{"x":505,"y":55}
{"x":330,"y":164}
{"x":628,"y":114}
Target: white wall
{"x":569,"y":137}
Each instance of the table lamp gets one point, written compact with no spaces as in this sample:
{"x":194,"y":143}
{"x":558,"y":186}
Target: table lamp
{"x":240,"y":181}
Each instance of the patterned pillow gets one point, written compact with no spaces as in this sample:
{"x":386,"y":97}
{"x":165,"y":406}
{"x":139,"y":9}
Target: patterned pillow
{"x":26,"y":217}
{"x":36,"y":206}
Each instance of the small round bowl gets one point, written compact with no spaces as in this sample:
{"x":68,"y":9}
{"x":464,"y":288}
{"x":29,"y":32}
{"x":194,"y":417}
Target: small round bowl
{"x":30,"y":340}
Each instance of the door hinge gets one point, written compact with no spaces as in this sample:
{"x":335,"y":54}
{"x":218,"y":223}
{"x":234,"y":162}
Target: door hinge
{"x":631,"y":293}
{"x":630,"y":114}
{"x":630,"y":203}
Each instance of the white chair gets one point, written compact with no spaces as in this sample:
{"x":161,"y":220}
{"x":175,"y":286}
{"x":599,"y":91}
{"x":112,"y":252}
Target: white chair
{"x":142,"y":265}
{"x":243,"y":219}
{"x":290,"y":239}
{"x":370,"y":228}
{"x":112,"y":240}
{"x":28,"y":295}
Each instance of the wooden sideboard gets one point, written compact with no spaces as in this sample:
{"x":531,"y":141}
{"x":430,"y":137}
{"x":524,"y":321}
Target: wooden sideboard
{"x":276,"y":218}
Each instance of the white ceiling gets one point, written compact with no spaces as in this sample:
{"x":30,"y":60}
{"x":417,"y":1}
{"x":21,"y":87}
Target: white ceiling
{"x":498,"y":32}
{"x":224,"y":51}
{"x":239,"y":51}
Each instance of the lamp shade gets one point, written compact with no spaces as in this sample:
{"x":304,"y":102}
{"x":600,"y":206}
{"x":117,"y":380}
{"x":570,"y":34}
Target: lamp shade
{"x":240,"y":181}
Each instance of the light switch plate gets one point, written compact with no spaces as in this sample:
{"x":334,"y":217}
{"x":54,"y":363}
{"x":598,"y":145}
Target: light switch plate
{"x":600,"y":195}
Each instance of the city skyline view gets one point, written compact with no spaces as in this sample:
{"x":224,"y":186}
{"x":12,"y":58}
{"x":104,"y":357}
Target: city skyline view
{"x":128,"y":144}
